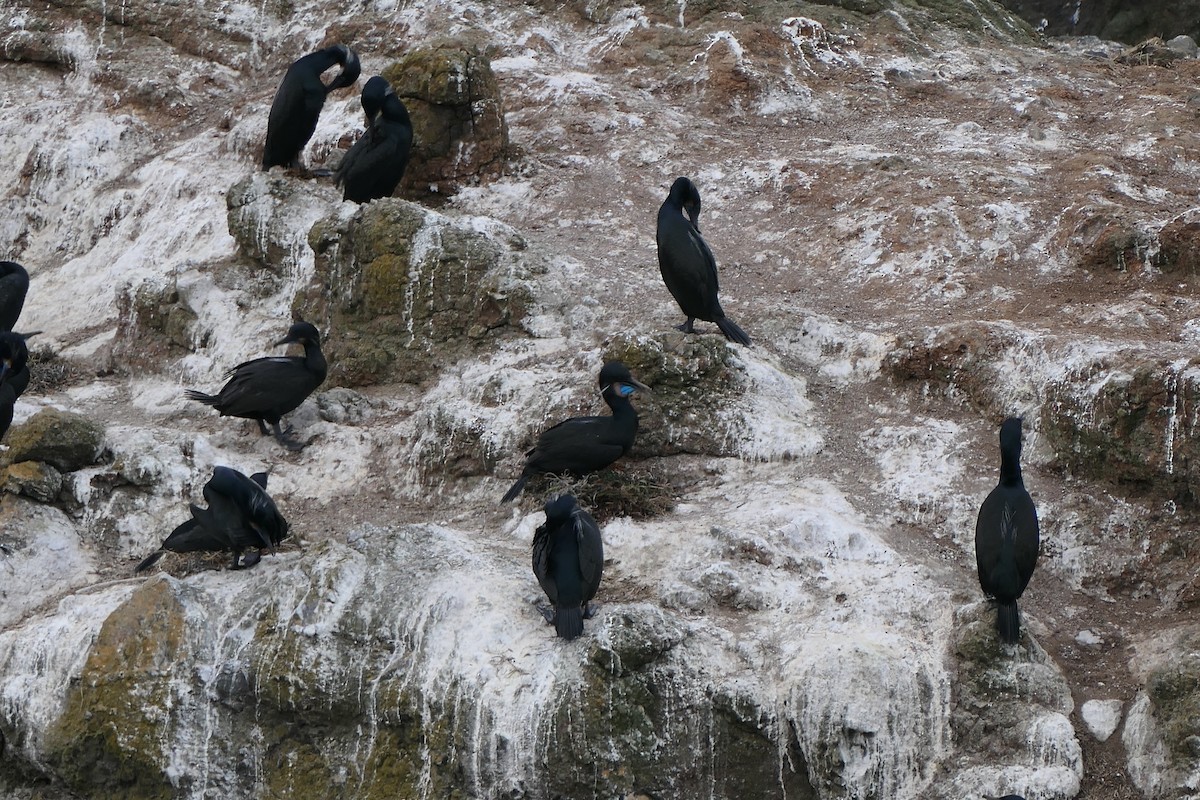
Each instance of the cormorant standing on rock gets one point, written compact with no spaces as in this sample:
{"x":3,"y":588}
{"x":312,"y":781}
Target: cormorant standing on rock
{"x":374,"y":165}
{"x":14,"y":283}
{"x":581,"y":445}
{"x":14,"y":375}
{"x":568,"y":560}
{"x":687,"y":265}
{"x":240,"y":516}
{"x":267,"y":388}
{"x":299,"y":100}
{"x":1006,"y":536}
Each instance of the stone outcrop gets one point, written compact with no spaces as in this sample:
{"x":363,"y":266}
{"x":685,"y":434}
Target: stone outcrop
{"x":65,"y":440}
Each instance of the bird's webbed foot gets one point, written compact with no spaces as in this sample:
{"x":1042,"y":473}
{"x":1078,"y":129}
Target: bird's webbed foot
{"x":321,"y":172}
{"x":547,"y":612}
{"x":247,"y":561}
{"x":262,"y":428}
{"x":286,"y":439}
{"x":687,"y":327}
{"x":590,"y":610}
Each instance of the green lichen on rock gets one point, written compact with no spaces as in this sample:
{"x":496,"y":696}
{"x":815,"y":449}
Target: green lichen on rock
{"x":35,"y":479}
{"x":108,"y":741}
{"x":406,"y":290}
{"x":1174,"y":691}
{"x":692,"y":379}
{"x":63,"y":439}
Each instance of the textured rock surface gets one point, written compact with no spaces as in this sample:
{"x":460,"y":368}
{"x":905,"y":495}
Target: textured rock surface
{"x":63,"y":439}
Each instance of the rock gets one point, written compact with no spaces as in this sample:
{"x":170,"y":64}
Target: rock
{"x":1104,"y":241}
{"x":154,"y":324}
{"x":344,"y":407}
{"x":459,"y":134}
{"x":66,"y":440}
{"x":1152,"y":52}
{"x":407,"y":290}
{"x":270,"y":215}
{"x":1184,"y":45}
{"x":1112,"y":19}
{"x":34,"y":479}
{"x":1179,"y":248}
{"x":1101,"y":717}
{"x":41,"y":555}
{"x":1163,"y":722}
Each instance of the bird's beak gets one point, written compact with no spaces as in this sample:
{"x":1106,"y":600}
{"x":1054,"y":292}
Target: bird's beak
{"x":286,"y":340}
{"x":641,"y":387}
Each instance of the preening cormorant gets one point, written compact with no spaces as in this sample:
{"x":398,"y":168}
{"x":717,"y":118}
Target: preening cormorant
{"x":14,"y":375}
{"x":298,"y":102}
{"x":687,"y":265}
{"x":14,"y":283}
{"x":374,"y":165}
{"x":240,"y":516}
{"x":581,"y":445}
{"x":267,"y":388}
{"x":1006,"y":535}
{"x":568,"y":560}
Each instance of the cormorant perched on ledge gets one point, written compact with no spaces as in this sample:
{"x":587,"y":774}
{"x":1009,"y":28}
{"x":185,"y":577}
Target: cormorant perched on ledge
{"x":568,"y":560}
{"x":581,"y":445}
{"x":267,"y":388}
{"x":687,"y":265}
{"x":14,"y":283}
{"x":374,"y":165}
{"x":240,"y":516}
{"x":14,"y":375}
{"x":298,"y":102}
{"x":1006,"y":536}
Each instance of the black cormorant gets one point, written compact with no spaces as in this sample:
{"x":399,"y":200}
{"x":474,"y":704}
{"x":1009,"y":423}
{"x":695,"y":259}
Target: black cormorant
{"x":267,"y":388}
{"x":374,"y":165}
{"x":1006,"y":535}
{"x":687,"y":265}
{"x":581,"y":445}
{"x":568,"y":560}
{"x":240,"y":516}
{"x":14,"y":283}
{"x":298,"y":102}
{"x":14,"y":375}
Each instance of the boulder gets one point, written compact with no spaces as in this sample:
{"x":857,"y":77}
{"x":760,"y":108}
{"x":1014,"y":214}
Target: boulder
{"x":63,"y":439}
{"x":460,"y":137}
{"x":34,"y":479}
{"x":1162,"y":729}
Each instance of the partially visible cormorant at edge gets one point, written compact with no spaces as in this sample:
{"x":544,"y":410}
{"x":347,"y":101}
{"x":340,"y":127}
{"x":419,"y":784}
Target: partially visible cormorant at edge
{"x":298,"y":102}
{"x":687,"y":264}
{"x":240,"y":516}
{"x":568,"y":560}
{"x":1006,"y":536}
{"x":581,"y":445}
{"x":266,"y":389}
{"x":14,"y":283}
{"x":374,"y":165}
{"x":14,"y":375}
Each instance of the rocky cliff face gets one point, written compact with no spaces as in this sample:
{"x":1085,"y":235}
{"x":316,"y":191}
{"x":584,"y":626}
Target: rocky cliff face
{"x":927,"y":221}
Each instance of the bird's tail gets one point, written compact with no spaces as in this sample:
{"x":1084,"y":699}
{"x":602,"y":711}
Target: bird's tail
{"x":732,"y":332}
{"x":149,"y":561}
{"x":200,"y":397}
{"x":512,"y":493}
{"x":568,"y":622}
{"x":1008,"y":623}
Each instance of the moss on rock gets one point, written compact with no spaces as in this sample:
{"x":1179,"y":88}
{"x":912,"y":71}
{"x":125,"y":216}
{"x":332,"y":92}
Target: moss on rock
{"x":63,"y":439}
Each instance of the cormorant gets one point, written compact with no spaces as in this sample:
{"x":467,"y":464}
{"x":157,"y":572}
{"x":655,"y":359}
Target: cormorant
{"x":1006,"y":535}
{"x":298,"y":102}
{"x":568,"y":560}
{"x":14,"y":283}
{"x":267,"y":388}
{"x":374,"y":165}
{"x":687,"y":265}
{"x":240,"y":516}
{"x":14,"y":376}
{"x":581,"y":445}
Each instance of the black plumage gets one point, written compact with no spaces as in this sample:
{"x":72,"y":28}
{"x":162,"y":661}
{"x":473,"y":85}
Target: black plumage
{"x":687,"y":264}
{"x":581,"y":445}
{"x":14,"y":375}
{"x":298,"y":102}
{"x":1006,"y":535}
{"x":240,"y":516}
{"x":14,"y":285}
{"x":568,"y":560}
{"x":373,"y":166}
{"x":266,"y":389}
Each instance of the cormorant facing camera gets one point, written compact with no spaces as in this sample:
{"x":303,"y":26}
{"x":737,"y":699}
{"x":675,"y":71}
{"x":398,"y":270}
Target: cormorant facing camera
{"x":240,"y":516}
{"x":1006,"y":536}
{"x":373,"y":166}
{"x":687,"y":265}
{"x":581,"y":445}
{"x":298,"y":102}
{"x":14,"y":284}
{"x":267,"y":388}
{"x":568,"y":560}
